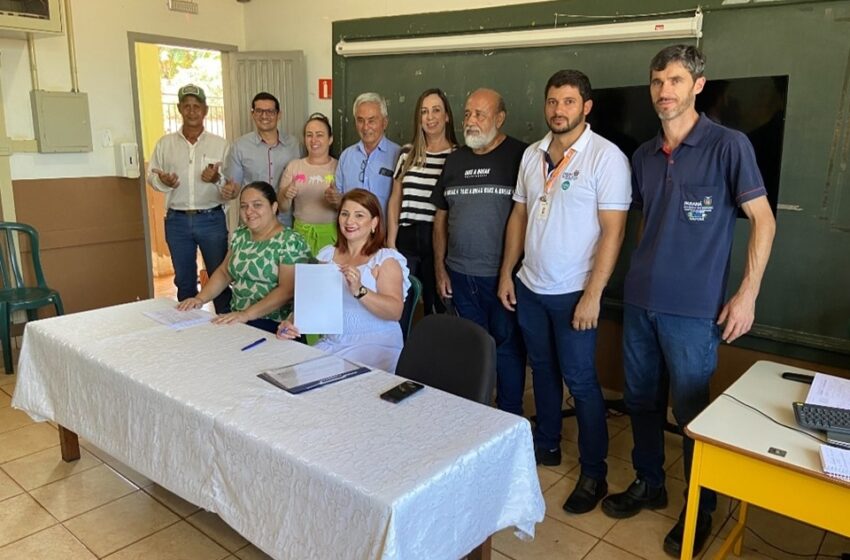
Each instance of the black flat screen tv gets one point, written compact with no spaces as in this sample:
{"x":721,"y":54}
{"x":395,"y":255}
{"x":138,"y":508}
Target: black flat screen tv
{"x":755,"y":106}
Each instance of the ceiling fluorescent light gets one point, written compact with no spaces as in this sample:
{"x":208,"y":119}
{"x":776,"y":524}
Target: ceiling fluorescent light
{"x":646,"y":30}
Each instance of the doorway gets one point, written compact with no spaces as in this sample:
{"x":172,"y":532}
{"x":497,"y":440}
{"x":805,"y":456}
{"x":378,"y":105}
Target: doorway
{"x":234,"y":78}
{"x":159,"y":67}
{"x":161,"y":70}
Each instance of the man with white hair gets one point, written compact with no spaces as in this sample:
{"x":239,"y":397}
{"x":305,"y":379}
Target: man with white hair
{"x":369,"y":164}
{"x":473,"y":197}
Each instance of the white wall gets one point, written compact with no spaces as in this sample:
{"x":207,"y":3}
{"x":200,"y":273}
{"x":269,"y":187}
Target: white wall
{"x":307,"y":26}
{"x":103,"y":61}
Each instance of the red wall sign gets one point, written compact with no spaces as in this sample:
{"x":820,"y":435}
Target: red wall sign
{"x":326,"y":88}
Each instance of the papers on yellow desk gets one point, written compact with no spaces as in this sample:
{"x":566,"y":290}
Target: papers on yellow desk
{"x":829,"y":390}
{"x":835,"y":461}
{"x":313,"y":373}
{"x":178,"y":320}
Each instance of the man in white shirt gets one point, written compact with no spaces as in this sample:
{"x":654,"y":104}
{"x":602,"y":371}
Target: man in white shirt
{"x":186,"y":165}
{"x":572,"y":197}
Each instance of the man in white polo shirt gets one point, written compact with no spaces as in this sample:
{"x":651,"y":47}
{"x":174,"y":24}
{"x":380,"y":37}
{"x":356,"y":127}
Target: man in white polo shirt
{"x":572,"y":196}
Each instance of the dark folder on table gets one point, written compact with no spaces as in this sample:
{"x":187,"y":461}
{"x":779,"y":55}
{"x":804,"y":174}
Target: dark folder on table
{"x":313,"y":373}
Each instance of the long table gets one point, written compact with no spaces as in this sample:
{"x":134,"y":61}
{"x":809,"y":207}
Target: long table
{"x":743,"y":454}
{"x":332,"y":473}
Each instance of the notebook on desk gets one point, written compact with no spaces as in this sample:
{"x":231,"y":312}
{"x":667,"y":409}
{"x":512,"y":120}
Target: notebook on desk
{"x":836,"y":462}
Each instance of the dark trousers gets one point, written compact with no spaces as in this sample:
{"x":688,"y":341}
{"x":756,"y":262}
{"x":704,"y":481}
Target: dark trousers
{"x":475,"y":298}
{"x":185,"y":233}
{"x":560,"y":354}
{"x":414,"y":242}
{"x":663,"y":354}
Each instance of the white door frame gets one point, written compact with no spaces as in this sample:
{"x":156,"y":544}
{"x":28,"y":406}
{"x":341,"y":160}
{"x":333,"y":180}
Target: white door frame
{"x":132,"y":39}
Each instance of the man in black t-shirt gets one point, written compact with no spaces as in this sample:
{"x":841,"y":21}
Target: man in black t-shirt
{"x":474,"y":198}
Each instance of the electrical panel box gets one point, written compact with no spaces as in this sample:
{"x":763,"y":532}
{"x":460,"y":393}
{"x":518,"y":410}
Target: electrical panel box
{"x":61,"y":121}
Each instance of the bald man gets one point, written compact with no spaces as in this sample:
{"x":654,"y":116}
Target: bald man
{"x":474,"y":198}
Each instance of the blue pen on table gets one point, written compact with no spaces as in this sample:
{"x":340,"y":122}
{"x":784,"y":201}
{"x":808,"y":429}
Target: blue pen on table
{"x":255,"y":343}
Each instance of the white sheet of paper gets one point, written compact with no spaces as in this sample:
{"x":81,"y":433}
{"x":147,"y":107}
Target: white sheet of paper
{"x":178,"y":320}
{"x":318,"y":298}
{"x":828,"y":390}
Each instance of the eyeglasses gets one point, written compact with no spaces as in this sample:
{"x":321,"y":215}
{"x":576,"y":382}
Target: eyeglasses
{"x":363,"y":170}
{"x":264,"y":112}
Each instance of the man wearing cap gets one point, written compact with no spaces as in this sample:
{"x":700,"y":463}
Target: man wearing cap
{"x":186,"y":165}
{"x":263,"y":154}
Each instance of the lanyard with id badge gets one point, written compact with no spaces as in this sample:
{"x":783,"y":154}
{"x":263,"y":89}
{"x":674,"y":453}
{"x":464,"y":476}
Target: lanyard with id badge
{"x":549,"y":180}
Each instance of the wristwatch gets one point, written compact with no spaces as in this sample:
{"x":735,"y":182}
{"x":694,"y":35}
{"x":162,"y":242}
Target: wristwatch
{"x":361,"y":292}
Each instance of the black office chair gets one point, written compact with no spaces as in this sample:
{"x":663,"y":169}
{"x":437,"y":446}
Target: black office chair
{"x":452,"y":354}
{"x":414,"y":294}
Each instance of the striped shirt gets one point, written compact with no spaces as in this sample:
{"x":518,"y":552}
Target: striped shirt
{"x":417,"y":185}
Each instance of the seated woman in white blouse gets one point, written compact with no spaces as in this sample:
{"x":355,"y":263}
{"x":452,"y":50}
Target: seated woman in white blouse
{"x":377,"y":281}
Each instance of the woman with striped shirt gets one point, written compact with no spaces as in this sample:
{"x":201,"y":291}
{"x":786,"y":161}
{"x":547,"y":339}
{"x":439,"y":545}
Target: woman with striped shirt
{"x":410,"y":217}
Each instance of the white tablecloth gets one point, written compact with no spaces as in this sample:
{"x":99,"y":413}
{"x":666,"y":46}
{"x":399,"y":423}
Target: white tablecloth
{"x":332,"y":473}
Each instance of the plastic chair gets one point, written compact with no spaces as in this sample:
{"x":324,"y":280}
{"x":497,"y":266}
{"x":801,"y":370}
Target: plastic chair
{"x":410,"y":303}
{"x":16,"y":293}
{"x":452,"y":354}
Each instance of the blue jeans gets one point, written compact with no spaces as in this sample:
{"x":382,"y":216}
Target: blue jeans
{"x":185,"y":233}
{"x":663,"y":354}
{"x":560,"y":354}
{"x":475,"y":298}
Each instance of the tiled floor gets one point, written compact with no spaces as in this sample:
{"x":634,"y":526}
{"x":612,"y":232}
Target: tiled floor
{"x":98,"y":508}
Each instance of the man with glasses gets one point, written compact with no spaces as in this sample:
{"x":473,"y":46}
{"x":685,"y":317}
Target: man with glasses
{"x":186,"y":165}
{"x":262,"y":155}
{"x":369,"y":164}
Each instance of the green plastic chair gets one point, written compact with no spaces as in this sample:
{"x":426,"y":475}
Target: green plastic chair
{"x":15,"y":293}
{"x":414,"y":293}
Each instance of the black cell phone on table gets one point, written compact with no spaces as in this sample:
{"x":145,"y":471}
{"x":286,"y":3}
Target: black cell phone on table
{"x":402,"y":391}
{"x":798,"y":377}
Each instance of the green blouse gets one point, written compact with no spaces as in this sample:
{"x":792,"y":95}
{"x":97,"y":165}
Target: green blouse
{"x":253,"y":266}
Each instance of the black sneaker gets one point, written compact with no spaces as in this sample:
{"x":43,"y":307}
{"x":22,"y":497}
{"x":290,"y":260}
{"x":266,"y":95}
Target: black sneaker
{"x":673,"y":540}
{"x":547,"y":457}
{"x":586,"y":495}
{"x":639,"y":496}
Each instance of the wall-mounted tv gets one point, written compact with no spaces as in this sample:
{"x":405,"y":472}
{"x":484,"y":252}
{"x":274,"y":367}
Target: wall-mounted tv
{"x":755,"y":106}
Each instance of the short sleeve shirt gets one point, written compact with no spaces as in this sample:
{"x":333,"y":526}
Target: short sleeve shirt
{"x":477,"y":192}
{"x":253,"y":266}
{"x":689,"y":202}
{"x":560,"y":247}
{"x":373,"y":172}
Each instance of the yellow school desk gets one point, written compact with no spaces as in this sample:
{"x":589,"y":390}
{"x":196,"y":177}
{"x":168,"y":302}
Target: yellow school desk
{"x":739,"y":453}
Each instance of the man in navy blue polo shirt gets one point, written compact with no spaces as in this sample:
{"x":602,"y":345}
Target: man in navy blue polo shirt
{"x":689,"y":182}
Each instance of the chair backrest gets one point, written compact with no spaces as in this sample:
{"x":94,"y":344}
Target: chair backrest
{"x":452,"y":354}
{"x":414,"y":293}
{"x":11,"y":248}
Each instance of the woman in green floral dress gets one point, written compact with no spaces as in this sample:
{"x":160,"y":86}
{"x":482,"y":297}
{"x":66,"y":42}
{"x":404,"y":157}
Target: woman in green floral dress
{"x":260,"y":265}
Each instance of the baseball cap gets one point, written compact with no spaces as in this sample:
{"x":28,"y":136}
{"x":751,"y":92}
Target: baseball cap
{"x":191,"y":89}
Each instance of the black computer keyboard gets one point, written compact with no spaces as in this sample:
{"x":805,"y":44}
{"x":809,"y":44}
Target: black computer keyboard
{"x":823,"y":418}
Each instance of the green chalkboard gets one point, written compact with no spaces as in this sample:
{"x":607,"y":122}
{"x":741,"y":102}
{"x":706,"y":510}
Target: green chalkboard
{"x":804,"y":306}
